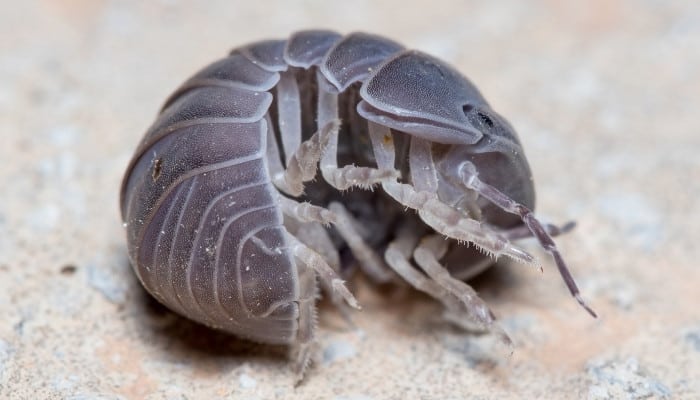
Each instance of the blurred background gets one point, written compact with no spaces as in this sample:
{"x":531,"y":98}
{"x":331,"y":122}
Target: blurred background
{"x":604,"y":95}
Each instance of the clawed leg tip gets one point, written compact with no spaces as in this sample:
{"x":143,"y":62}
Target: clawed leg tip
{"x":586,"y":307}
{"x":298,"y":381}
{"x":522,"y":256}
{"x":299,"y":371}
{"x":504,"y":339}
{"x":510,"y":348}
{"x":340,"y":288}
{"x":299,"y":374}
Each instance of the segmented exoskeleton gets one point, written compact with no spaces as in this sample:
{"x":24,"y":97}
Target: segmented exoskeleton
{"x":237,"y":197}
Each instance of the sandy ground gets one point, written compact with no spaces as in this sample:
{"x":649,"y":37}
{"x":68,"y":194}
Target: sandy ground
{"x":605,"y":97}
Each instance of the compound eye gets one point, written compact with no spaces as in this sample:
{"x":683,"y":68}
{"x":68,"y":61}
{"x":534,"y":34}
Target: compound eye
{"x":485,"y":119}
{"x":479,"y":116}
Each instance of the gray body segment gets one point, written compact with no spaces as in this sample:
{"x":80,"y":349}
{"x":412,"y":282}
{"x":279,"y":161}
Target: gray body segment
{"x":354,"y":57}
{"x":224,"y":201}
{"x":307,"y":48}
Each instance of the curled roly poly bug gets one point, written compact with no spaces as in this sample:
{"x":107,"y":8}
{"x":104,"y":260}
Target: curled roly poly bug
{"x":236,"y":199}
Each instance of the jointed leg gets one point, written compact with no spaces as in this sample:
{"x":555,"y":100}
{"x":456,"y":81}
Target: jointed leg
{"x":429,"y":251}
{"x":314,"y":261}
{"x":307,"y":321}
{"x":303,"y":163}
{"x":274,"y":161}
{"x":423,"y":172}
{"x":438,"y":215}
{"x":316,"y":238}
{"x":368,"y":259}
{"x":349,"y":175}
{"x":306,"y":212}
{"x":522,"y":231}
{"x":470,"y":179}
{"x":309,"y":262}
{"x":383,"y":145}
{"x":398,"y":255}
{"x":341,"y":219}
{"x":314,"y":235}
{"x":327,"y":103}
{"x":301,"y":158}
{"x":289,"y":110}
{"x":449,"y":222}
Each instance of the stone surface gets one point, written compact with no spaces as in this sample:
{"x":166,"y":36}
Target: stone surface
{"x":623,"y":379}
{"x":604,"y":95}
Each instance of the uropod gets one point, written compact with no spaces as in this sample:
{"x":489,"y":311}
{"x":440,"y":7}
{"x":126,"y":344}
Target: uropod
{"x":265,"y":166}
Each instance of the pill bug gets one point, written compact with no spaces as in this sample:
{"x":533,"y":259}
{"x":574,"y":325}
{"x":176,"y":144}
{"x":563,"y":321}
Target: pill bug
{"x":238,"y":197}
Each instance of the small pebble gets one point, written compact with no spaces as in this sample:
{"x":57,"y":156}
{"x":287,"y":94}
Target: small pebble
{"x":338,"y":350}
{"x":107,"y":281}
{"x":246,"y":381}
{"x":693,"y":338}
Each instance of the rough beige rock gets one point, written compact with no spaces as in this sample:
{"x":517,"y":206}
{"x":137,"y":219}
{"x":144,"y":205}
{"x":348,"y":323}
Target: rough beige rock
{"x":605,"y":96}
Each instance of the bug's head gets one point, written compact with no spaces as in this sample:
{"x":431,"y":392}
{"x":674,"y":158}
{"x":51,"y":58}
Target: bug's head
{"x":422,"y":96}
{"x":497,"y":158}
